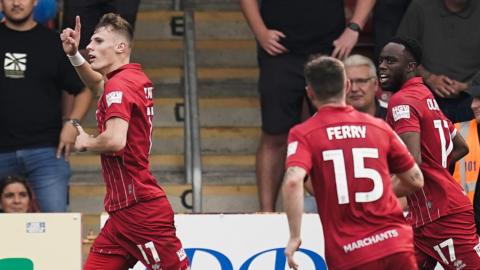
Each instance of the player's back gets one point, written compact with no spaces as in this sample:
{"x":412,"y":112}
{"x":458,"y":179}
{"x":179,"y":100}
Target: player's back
{"x":351,"y":153}
{"x":414,"y":109}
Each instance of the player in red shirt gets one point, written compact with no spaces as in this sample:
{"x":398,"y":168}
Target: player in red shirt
{"x":349,"y":157}
{"x":441,"y":214}
{"x":141,"y":225}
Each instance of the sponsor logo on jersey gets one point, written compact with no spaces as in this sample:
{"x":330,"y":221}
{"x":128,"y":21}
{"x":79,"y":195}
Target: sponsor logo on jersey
{"x":367,"y":241}
{"x":15,"y":65}
{"x":401,"y":112}
{"x":477,"y":249}
{"x":114,"y":97}
{"x":292,"y":148}
{"x":181,"y":254}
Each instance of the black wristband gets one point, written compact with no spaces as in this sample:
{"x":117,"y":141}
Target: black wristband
{"x":354,"y":26}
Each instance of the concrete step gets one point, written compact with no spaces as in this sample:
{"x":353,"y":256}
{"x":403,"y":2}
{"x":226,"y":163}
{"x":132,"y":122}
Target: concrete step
{"x":214,"y":112}
{"x":219,"y":88}
{"x":87,"y":162}
{"x":88,"y":198}
{"x":214,"y":140}
{"x":238,"y":176}
{"x":155,"y":25}
{"x":209,"y":53}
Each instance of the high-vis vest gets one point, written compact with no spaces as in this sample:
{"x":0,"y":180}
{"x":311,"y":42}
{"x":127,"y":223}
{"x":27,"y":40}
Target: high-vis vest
{"x":467,"y":168}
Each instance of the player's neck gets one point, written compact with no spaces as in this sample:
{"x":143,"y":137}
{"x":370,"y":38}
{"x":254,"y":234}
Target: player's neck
{"x":116,"y":65}
{"x":23,"y":26}
{"x":332,"y":102}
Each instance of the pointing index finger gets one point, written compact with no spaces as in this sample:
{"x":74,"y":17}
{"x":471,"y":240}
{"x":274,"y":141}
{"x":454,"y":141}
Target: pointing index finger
{"x":78,"y":25}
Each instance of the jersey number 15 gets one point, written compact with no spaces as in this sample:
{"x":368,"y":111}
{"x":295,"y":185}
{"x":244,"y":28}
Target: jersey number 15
{"x":359,"y":171}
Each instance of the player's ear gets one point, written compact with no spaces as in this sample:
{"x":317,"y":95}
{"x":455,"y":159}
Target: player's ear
{"x":122,"y":47}
{"x":310,"y":93}
{"x":411,"y":67}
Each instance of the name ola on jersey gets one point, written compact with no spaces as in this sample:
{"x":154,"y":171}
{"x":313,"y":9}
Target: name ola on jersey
{"x":346,"y":132}
{"x":432,"y":105}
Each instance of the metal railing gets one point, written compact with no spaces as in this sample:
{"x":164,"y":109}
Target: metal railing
{"x":193,"y":166}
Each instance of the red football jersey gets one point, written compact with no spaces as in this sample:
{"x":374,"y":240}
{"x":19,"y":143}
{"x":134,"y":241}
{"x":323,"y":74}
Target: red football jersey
{"x":349,"y":156}
{"x":128,"y":95}
{"x":414,"y":109}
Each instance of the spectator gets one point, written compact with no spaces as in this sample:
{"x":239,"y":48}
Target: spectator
{"x":287,"y":33}
{"x":92,"y":10}
{"x":364,"y":84}
{"x":440,"y":213}
{"x":33,"y":74}
{"x":474,"y":91}
{"x":339,"y":149}
{"x":387,"y":15}
{"x":451,"y":58}
{"x":43,"y":12}
{"x":16,"y":196}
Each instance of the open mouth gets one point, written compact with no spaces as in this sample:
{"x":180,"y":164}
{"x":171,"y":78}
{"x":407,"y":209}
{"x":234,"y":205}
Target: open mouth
{"x":383,"y":78}
{"x":91,"y":58}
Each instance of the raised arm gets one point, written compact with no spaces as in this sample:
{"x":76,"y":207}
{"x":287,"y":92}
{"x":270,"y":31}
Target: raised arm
{"x":70,"y":42}
{"x":292,"y":192}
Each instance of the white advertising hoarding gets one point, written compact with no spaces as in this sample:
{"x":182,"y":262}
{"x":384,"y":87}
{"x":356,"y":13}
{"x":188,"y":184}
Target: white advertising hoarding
{"x":246,"y":241}
{"x":40,"y":241}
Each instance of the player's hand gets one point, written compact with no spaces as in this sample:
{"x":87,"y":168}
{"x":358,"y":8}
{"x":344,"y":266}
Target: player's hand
{"x":344,"y":44}
{"x":82,"y":139}
{"x":269,"y":40}
{"x":292,"y":246}
{"x":441,"y":85}
{"x":459,"y":86}
{"x":71,"y":38}
{"x":67,"y":140}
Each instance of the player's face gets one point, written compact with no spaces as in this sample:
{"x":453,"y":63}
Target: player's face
{"x":102,"y":53}
{"x":392,"y":67}
{"x":476,"y":108}
{"x":15,"y":198}
{"x":363,"y":87}
{"x":18,"y":11}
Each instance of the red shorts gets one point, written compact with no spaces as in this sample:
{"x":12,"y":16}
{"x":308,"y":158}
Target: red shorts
{"x":396,"y":261}
{"x":450,"y":240}
{"x":143,"y":232}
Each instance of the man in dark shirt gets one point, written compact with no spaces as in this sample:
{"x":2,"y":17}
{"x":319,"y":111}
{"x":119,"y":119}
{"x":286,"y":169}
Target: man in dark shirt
{"x":289,"y":32}
{"x":451,"y":59}
{"x":33,"y":140}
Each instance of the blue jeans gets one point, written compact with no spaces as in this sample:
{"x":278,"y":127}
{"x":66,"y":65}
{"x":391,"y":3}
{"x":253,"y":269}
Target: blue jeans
{"x":47,"y":175}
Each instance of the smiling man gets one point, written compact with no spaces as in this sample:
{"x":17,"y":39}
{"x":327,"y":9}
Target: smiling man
{"x":440,"y":213}
{"x":363,"y":77}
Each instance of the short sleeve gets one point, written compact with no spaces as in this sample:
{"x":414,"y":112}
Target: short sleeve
{"x":403,"y":116}
{"x":298,"y":151}
{"x":119,"y":102}
{"x":399,"y":158}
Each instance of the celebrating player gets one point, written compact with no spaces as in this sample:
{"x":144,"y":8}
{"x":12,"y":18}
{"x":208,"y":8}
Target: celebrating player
{"x":141,"y":225}
{"x":349,"y":157}
{"x":441,"y":214}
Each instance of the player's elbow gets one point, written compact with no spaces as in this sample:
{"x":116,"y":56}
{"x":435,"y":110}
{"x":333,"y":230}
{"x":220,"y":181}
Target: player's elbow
{"x":414,"y":179}
{"x":117,"y":144}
